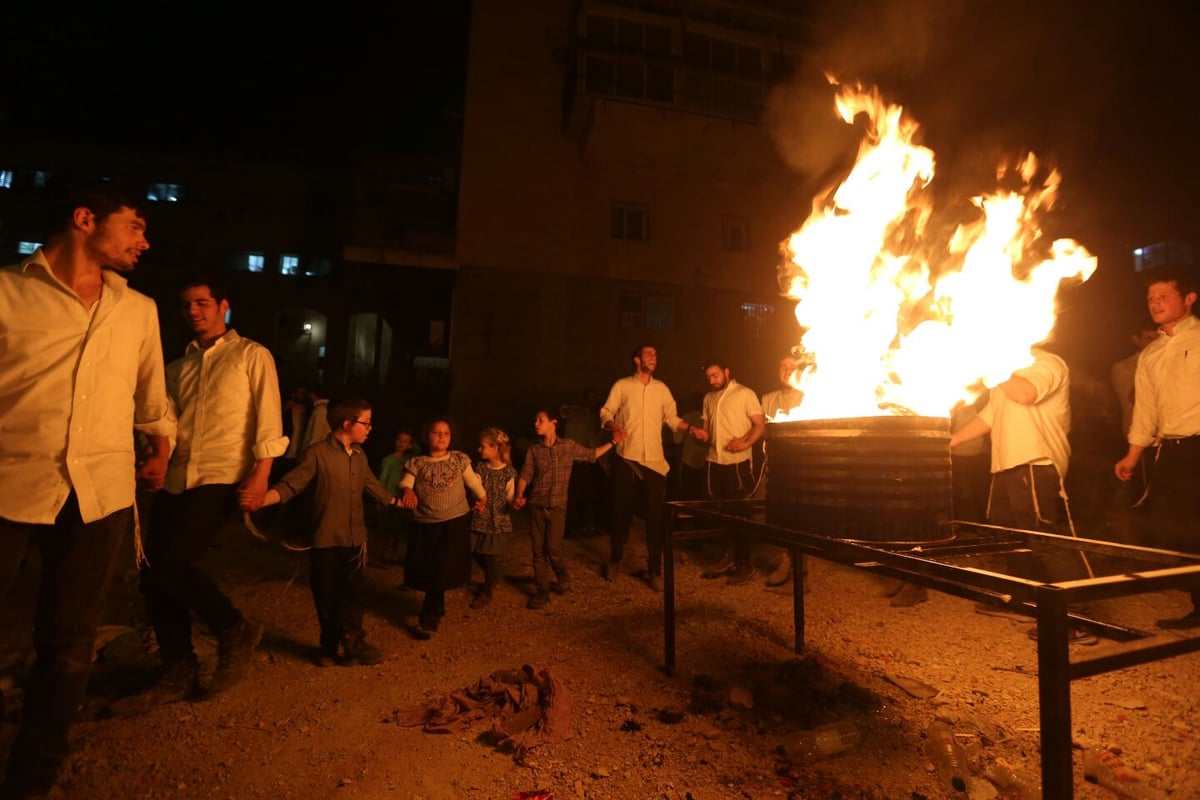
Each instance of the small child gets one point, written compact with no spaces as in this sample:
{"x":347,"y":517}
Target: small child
{"x":548,"y":466}
{"x":391,"y":470}
{"x":338,"y":472}
{"x":395,"y":523}
{"x":439,"y":553}
{"x":491,"y":527}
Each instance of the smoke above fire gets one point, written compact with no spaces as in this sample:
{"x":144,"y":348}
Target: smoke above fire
{"x":899,"y":318}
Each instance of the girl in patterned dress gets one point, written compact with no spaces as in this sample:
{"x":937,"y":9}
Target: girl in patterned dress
{"x":491,"y":527}
{"x":439,"y":556}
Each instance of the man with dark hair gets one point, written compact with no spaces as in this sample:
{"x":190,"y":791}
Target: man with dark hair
{"x":635,"y":411}
{"x":732,"y":422}
{"x":226,"y":395}
{"x":80,"y":370}
{"x":1166,"y":410}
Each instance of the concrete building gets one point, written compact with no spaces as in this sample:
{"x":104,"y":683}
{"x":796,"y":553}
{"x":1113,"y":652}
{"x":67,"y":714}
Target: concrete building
{"x":617,"y":187}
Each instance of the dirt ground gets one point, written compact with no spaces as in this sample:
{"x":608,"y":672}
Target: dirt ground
{"x":713,"y":730}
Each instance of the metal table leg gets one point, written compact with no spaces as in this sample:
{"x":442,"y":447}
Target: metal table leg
{"x":1054,"y":692}
{"x":669,"y":594}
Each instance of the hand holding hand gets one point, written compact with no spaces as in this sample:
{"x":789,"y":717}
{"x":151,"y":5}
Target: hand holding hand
{"x":618,"y":435}
{"x":248,"y":501}
{"x":699,"y":434}
{"x":153,"y":472}
{"x":480,"y":505}
{"x":409,"y":500}
{"x":518,"y":503}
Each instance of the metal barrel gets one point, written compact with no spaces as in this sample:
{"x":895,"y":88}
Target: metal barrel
{"x":873,"y":479}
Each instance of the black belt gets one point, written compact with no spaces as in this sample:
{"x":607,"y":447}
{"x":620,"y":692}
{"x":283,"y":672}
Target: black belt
{"x":1183,"y":440}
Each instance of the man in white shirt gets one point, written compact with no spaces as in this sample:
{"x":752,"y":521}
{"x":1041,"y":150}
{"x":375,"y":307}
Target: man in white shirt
{"x":226,"y":396}
{"x":1166,"y":409}
{"x":80,"y":370}
{"x":1029,"y":417}
{"x":639,"y":406}
{"x":733,"y":421}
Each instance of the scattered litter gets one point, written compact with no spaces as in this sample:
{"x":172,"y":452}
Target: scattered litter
{"x":527,"y":707}
{"x":1131,"y":703}
{"x":916,"y":688}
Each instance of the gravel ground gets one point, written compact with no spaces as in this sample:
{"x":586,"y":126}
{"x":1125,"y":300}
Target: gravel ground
{"x":713,"y":730}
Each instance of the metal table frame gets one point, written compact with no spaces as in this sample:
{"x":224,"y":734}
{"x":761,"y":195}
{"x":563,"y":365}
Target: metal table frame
{"x":1048,"y":603}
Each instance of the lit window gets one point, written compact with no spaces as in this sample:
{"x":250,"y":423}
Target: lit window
{"x":25,"y":248}
{"x":40,"y":177}
{"x":165,"y":193}
{"x":6,"y":177}
{"x":735,"y":234}
{"x":255,"y":262}
{"x":289,"y":264}
{"x":755,"y":317}
{"x":630,"y":221}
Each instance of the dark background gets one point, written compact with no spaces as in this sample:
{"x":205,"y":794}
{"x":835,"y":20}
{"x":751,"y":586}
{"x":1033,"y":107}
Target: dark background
{"x":1105,"y":92}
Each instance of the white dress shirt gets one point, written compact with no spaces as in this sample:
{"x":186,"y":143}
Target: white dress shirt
{"x":1166,"y":396}
{"x":1037,"y":433}
{"x":728,"y":414}
{"x":75,"y":383}
{"x":230,"y":415}
{"x":641,"y":409}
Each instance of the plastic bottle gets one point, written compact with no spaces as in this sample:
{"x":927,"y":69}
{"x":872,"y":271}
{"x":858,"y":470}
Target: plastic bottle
{"x":1016,"y":784}
{"x":947,"y":755}
{"x":1106,"y":768}
{"x":826,"y":740}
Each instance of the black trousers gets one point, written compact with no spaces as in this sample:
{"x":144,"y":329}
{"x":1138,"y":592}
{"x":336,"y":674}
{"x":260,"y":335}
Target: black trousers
{"x":1175,"y":500}
{"x":335,"y":575}
{"x":632,"y":481}
{"x":182,"y":527}
{"x":77,"y":561}
{"x":732,"y":482}
{"x":1028,"y":497}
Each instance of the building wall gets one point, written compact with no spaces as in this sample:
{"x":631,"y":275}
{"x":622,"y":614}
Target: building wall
{"x":543,"y":279}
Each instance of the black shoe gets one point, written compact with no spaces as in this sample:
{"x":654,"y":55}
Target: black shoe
{"x":540,"y":599}
{"x":781,"y":574}
{"x":1191,"y":620}
{"x":1074,"y":636}
{"x":325,"y":660}
{"x":235,"y":647}
{"x":563,"y":585}
{"x":723,"y":567}
{"x":741,"y":574}
{"x":179,"y":681}
{"x":482,"y":600}
{"x":610,"y":570}
{"x":654,"y":582}
{"x":365,"y":655}
{"x":909,"y":595}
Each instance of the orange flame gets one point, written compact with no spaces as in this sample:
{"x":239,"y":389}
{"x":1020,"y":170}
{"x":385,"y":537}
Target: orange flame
{"x":885,"y":333}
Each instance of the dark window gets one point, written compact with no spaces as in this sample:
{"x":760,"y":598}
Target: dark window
{"x":646,"y":312}
{"x":630,"y":221}
{"x":735,"y":234}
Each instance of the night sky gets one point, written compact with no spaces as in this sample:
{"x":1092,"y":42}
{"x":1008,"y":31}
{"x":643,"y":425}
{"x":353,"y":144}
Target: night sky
{"x":1104,"y":91}
{"x":309,"y":79}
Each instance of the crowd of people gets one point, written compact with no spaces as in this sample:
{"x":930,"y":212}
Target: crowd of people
{"x":82,"y":368}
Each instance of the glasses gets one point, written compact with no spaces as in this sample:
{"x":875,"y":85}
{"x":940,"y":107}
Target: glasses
{"x":363,"y":422}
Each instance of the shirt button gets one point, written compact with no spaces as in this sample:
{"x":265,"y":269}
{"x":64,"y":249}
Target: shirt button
{"x":83,"y":397}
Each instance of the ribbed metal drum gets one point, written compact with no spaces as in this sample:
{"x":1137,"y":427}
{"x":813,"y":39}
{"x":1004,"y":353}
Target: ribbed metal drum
{"x":873,"y":479}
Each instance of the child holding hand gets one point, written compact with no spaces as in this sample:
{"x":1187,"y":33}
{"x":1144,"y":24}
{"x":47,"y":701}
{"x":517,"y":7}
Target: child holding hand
{"x":548,"y":466}
{"x":338,"y":474}
{"x":492,"y":527}
{"x":439,"y":555}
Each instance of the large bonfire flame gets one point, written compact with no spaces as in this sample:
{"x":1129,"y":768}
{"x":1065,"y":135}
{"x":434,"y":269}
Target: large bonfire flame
{"x":895,"y":324}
